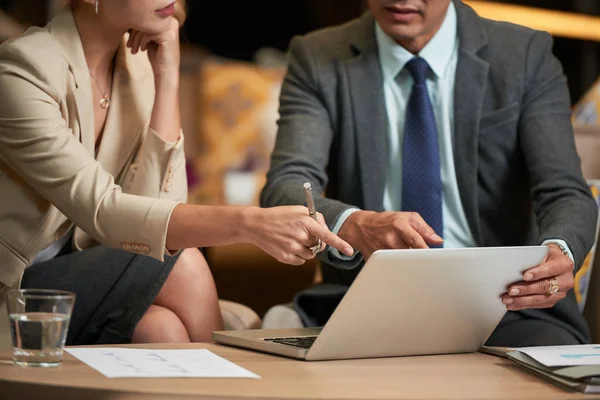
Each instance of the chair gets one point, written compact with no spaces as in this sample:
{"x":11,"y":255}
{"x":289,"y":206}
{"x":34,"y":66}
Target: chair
{"x":237,"y":316}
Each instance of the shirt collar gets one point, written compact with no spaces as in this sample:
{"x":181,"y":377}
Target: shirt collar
{"x":437,"y":52}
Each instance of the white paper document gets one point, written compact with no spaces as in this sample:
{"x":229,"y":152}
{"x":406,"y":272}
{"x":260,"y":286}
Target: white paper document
{"x":564,"y":356}
{"x":145,"y":363}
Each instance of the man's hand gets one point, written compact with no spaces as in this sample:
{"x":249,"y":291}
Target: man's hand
{"x":533,"y":291}
{"x":369,"y":231}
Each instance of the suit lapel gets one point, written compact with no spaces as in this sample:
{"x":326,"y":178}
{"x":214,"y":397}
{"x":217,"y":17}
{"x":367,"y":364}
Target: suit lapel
{"x":131,"y":101}
{"x":85,"y":116}
{"x":64,"y":30}
{"x":470,"y":86}
{"x":132,"y":85}
{"x":127,"y":114}
{"x":370,"y":116}
{"x":126,"y":120}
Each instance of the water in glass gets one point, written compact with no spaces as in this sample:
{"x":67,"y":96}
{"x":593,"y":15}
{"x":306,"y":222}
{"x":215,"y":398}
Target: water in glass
{"x":38,"y":337}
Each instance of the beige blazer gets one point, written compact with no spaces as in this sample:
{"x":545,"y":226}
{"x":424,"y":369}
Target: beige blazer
{"x":50,"y":179}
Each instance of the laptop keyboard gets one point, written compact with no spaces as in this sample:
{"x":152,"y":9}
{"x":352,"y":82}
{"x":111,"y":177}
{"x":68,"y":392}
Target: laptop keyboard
{"x":303,"y":341}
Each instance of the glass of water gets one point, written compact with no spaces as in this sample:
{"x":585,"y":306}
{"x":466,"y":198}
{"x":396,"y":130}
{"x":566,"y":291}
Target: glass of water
{"x":39,"y":321}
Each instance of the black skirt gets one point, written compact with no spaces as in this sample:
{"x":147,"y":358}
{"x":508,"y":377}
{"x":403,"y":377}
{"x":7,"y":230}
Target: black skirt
{"x":113,"y":288}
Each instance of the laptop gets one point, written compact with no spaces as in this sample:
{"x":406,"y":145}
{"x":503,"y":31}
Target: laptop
{"x":406,"y":303}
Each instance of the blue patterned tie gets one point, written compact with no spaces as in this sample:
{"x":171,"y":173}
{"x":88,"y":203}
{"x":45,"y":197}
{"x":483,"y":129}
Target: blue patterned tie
{"x":421,"y":176}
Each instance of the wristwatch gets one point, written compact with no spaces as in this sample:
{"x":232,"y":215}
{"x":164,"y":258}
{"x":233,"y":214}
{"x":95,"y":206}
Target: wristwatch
{"x":561,"y":247}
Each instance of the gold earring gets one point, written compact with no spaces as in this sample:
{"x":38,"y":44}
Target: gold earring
{"x":96,"y":6}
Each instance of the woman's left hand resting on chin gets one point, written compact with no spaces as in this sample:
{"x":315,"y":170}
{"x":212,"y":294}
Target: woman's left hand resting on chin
{"x":164,"y":56}
{"x":163,"y":50}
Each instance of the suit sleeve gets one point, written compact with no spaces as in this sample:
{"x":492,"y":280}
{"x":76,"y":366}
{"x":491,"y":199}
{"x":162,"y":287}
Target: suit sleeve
{"x":158,"y":169}
{"x":37,"y":144}
{"x":563,"y":204}
{"x":304,"y":137}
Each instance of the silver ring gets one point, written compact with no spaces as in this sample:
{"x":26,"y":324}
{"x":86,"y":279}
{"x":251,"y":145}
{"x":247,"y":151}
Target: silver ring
{"x":317,"y":247}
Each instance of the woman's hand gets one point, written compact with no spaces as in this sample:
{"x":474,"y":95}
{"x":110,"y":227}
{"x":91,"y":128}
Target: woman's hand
{"x":163,"y":51}
{"x":287,"y":233}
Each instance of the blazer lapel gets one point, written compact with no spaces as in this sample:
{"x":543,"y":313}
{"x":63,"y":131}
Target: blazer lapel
{"x":64,"y":30}
{"x":85,"y":115}
{"x":132,"y":97}
{"x":470,"y":86}
{"x":128,"y":113}
{"x":370,"y":116}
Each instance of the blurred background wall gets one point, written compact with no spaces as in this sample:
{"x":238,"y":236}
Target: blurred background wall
{"x":273,"y":23}
{"x":237,"y":29}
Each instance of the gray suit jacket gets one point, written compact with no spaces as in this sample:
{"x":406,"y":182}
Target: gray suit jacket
{"x":518,"y":172}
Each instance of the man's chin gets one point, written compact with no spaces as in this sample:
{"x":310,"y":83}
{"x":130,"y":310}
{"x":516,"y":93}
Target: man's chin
{"x":403,"y":33}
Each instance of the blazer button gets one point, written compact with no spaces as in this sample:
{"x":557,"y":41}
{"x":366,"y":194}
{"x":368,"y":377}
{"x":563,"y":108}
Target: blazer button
{"x":145,"y":249}
{"x":135,"y":248}
{"x":126,"y":246}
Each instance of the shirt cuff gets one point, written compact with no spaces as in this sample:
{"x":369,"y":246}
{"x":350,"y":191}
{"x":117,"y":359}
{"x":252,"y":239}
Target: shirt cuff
{"x":563,"y":243}
{"x":336,"y":228}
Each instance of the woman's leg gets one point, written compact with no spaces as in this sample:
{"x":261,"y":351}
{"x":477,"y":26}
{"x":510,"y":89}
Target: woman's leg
{"x":159,"y":325}
{"x":189,"y":294}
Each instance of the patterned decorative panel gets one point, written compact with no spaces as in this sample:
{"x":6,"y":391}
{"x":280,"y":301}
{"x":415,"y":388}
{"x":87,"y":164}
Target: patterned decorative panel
{"x":238,"y":110}
{"x":582,"y":279}
{"x":587,"y":111}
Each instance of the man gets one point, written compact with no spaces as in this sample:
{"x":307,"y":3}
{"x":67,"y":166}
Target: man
{"x":421,"y":120}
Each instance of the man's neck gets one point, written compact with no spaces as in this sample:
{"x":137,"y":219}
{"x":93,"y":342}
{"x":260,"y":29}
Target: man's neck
{"x":100,"y":43}
{"x":416,"y":45}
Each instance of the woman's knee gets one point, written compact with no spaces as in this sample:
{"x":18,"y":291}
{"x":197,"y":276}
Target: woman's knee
{"x":191,"y":294}
{"x":160,"y":325}
{"x":192,"y":262}
{"x":191,"y":276}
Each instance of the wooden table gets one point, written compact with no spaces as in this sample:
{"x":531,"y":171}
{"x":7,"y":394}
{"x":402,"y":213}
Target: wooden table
{"x":461,"y":376}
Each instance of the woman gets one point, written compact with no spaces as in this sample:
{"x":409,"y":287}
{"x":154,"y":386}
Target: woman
{"x":91,"y":153}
